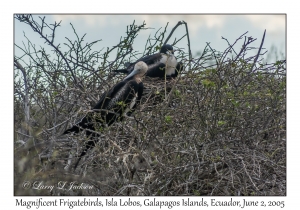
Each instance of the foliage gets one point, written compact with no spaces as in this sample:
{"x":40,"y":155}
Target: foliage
{"x":217,"y":129}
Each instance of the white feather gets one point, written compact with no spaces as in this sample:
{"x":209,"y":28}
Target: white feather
{"x":170,"y":62}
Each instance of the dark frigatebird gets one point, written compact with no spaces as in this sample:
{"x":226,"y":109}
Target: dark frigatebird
{"x":159,"y":64}
{"x":112,"y":106}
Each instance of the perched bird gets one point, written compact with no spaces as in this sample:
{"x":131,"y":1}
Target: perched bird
{"x":159,"y":64}
{"x":112,"y":106}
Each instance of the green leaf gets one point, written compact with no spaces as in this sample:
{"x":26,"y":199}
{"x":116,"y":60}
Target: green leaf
{"x":55,"y":93}
{"x":221,"y":122}
{"x":196,"y":192}
{"x":177,"y":93}
{"x":157,"y":48}
{"x":121,"y":103}
{"x":168,"y":119}
{"x":207,"y":83}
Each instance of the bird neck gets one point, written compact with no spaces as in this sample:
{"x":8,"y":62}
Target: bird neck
{"x":168,"y":54}
{"x":138,"y":78}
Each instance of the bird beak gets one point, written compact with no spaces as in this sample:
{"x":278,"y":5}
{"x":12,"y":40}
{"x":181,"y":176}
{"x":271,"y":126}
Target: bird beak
{"x":134,"y":72}
{"x":170,"y":52}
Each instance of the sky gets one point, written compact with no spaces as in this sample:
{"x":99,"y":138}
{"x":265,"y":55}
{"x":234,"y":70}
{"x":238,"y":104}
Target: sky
{"x":202,"y":29}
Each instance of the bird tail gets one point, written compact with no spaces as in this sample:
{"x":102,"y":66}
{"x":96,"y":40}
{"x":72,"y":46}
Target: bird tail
{"x":128,"y":69}
{"x":124,"y":71}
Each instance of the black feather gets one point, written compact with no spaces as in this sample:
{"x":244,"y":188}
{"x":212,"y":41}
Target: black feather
{"x":156,"y":68}
{"x":109,"y":109}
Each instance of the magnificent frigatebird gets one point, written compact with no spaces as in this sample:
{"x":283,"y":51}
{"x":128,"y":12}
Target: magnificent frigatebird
{"x":159,"y":64}
{"x":112,"y":106}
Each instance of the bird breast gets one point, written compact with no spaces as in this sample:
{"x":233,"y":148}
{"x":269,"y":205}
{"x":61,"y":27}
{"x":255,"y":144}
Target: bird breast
{"x":138,"y":79}
{"x":170,"y":62}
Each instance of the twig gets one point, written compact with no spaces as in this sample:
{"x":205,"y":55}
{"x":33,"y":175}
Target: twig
{"x":26,"y":97}
{"x":178,"y":24}
{"x":261,"y":44}
{"x":231,"y":46}
{"x":57,"y":125}
{"x":24,"y":134}
{"x":39,"y":30}
{"x":189,"y":44}
{"x":249,"y":175}
{"x":188,"y":38}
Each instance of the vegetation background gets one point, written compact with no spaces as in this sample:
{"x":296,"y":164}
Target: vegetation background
{"x":217,"y":129}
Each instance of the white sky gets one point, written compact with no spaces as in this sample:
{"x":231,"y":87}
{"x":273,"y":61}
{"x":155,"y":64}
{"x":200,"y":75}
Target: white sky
{"x":202,"y":29}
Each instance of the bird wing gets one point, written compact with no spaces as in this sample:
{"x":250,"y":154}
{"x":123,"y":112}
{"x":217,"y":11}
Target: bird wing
{"x":150,"y":60}
{"x":124,"y":91}
{"x":108,"y":95}
{"x":122,"y":97}
{"x":102,"y":103}
{"x":157,"y":70}
{"x":140,"y":90}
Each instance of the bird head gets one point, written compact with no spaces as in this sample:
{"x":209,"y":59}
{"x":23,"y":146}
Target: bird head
{"x":167,"y":49}
{"x":140,"y":69}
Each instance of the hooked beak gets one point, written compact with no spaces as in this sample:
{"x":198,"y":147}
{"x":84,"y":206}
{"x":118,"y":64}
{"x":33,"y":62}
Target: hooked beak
{"x":134,"y":72}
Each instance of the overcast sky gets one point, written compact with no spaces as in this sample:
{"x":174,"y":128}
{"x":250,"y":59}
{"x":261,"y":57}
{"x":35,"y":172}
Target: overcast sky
{"x":202,"y":29}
